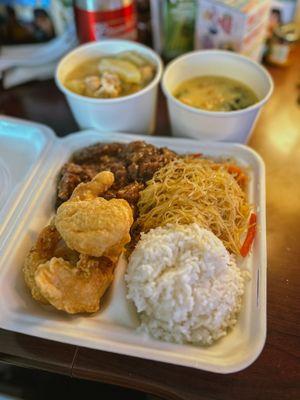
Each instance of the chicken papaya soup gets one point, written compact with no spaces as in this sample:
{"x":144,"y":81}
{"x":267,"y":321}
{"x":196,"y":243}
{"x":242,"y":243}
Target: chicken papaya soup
{"x":215,"y":93}
{"x":111,"y":76}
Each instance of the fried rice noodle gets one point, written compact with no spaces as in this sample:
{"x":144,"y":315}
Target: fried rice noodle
{"x":189,"y":190}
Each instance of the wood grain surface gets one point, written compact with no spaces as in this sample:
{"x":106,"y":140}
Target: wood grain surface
{"x":30,"y":352}
{"x":276,"y":373}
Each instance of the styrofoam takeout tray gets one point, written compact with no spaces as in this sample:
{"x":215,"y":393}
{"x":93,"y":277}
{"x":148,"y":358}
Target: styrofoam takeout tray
{"x":30,"y":160}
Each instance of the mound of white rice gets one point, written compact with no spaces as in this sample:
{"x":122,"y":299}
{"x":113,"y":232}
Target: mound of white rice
{"x":185,"y":285}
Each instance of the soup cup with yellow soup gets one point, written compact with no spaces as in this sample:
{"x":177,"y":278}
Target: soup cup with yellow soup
{"x":215,"y":95}
{"x":111,"y":85}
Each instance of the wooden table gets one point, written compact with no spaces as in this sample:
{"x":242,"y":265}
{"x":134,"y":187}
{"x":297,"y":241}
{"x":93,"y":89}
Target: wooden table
{"x":276,"y":373}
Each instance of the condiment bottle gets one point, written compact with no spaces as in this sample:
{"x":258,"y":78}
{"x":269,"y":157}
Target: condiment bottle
{"x":100,"y":19}
{"x":282,"y":44}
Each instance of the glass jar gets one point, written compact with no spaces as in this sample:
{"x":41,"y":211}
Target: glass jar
{"x":282,"y":43}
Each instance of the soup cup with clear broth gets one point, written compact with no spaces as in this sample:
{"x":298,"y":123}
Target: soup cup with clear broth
{"x":215,"y":95}
{"x":111,"y":85}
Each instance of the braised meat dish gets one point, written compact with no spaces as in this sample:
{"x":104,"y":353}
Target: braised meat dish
{"x":132,"y":164}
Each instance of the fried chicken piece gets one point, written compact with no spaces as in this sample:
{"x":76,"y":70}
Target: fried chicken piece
{"x":73,"y":261}
{"x":40,"y":253}
{"x":75,"y":289}
{"x":57,"y":275}
{"x":97,"y":186}
{"x":49,"y":244}
{"x":92,"y":225}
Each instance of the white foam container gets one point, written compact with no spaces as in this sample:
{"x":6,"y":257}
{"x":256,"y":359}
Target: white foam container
{"x":31,"y":157}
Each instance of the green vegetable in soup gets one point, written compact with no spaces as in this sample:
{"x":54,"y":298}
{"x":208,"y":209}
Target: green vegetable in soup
{"x":215,"y":93}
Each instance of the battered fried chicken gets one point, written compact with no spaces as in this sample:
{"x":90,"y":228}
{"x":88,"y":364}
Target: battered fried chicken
{"x":78,"y":288}
{"x":49,"y":244}
{"x":72,"y":263}
{"x":92,"y":225}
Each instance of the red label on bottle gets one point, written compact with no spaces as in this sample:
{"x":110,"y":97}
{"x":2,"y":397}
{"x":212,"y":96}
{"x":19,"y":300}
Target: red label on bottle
{"x":95,"y":25}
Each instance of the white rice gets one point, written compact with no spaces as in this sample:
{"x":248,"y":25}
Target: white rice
{"x":185,"y":285}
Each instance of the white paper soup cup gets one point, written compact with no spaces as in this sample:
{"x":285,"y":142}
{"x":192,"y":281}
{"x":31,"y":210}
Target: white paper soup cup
{"x":134,"y":113}
{"x":231,"y":126}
